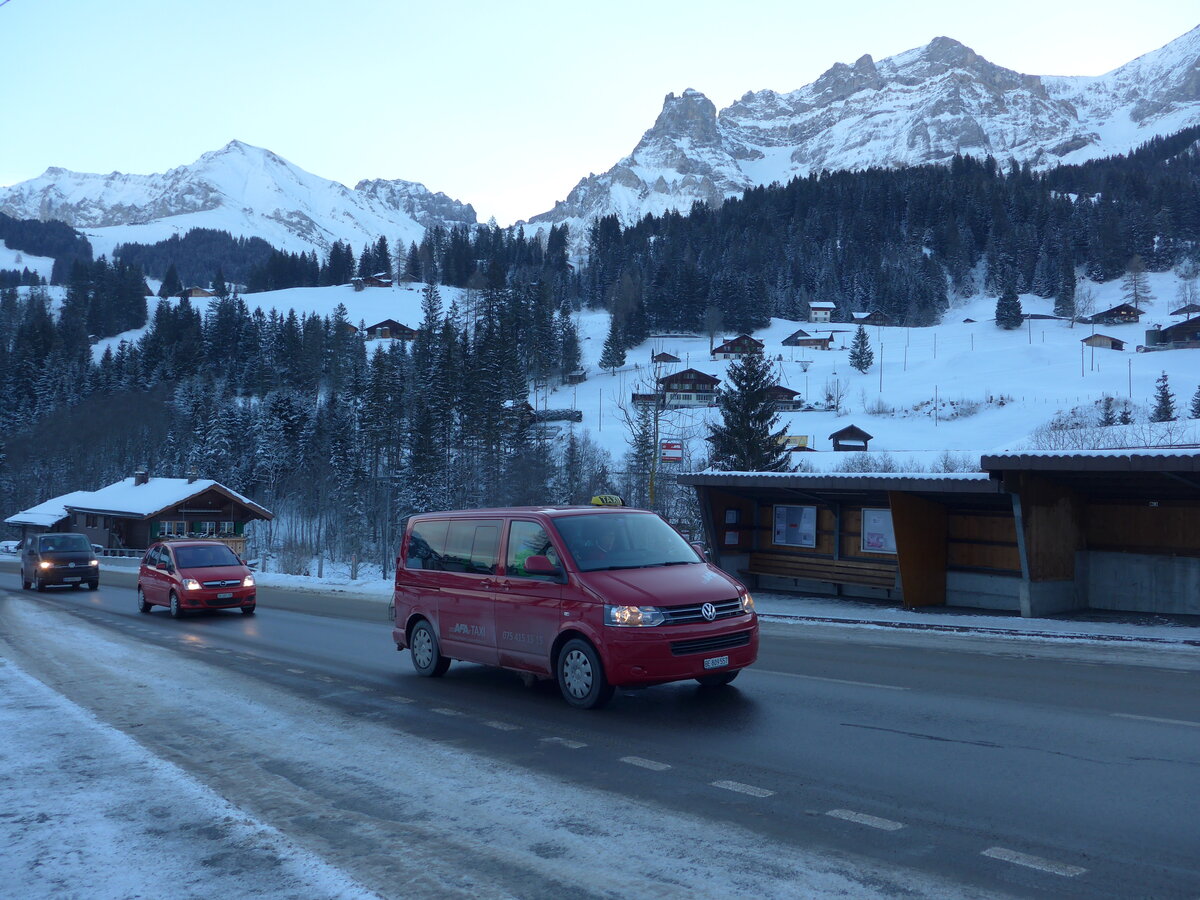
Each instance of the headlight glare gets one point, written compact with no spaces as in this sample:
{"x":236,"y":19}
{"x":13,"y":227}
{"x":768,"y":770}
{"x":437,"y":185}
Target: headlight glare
{"x":747,"y":603}
{"x":248,"y":581}
{"x":45,"y":564}
{"x":95,"y":562}
{"x":633,"y":616}
{"x":191,"y":584}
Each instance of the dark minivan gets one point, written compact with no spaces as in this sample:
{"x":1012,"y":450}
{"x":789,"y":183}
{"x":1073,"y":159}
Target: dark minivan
{"x":59,"y":559}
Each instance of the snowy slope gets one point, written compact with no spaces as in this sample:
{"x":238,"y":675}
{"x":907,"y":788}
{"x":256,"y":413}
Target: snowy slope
{"x":241,"y":189}
{"x":918,"y":107}
{"x":1015,"y":381}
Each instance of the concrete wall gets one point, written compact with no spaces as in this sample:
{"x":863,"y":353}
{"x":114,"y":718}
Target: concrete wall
{"x":1135,"y":582}
{"x":979,"y":590}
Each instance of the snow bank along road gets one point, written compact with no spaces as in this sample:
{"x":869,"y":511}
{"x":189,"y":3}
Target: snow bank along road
{"x":291,"y":749}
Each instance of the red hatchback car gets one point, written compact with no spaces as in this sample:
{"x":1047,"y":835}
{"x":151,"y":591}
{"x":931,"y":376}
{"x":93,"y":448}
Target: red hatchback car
{"x":194,"y":575}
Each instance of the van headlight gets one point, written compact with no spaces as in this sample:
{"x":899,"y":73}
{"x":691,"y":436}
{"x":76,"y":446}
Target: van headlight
{"x":45,"y":564}
{"x":747,"y":603}
{"x":248,"y":581}
{"x":633,"y":616}
{"x":191,"y":584}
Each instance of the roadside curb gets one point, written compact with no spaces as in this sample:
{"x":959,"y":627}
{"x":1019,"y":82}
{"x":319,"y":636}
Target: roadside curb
{"x":976,"y":629}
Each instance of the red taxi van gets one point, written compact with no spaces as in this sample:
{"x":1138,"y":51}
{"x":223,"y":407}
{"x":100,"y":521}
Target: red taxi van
{"x":596,"y":598}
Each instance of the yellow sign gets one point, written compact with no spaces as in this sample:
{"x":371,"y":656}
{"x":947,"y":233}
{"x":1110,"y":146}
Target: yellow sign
{"x":796,"y":441}
{"x":607,"y":500}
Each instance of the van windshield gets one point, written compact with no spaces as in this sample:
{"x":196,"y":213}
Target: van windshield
{"x":623,"y":541}
{"x":72,"y":543}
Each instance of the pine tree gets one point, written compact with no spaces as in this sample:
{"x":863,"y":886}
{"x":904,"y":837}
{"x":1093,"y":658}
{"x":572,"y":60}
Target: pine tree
{"x":1008,"y":310}
{"x":1108,"y":412}
{"x":744,"y":440}
{"x":171,"y":285}
{"x":1136,"y":284}
{"x":1164,"y":401}
{"x":862,"y":357}
{"x":1194,"y":409}
{"x":612,"y":356}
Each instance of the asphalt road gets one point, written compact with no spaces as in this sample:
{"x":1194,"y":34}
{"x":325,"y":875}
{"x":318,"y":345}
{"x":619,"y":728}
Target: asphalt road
{"x":1014,"y":767}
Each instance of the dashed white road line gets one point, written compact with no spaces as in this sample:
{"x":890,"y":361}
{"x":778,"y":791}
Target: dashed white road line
{"x":1034,"y":862}
{"x":645,"y":763}
{"x":863,"y":819}
{"x":359,"y":687}
{"x":396,"y":698}
{"x":297,"y":671}
{"x":446,"y":711}
{"x":1156,"y":719}
{"x":570,"y":745}
{"x":886,"y":687}
{"x":502,"y":726}
{"x":743,"y":788}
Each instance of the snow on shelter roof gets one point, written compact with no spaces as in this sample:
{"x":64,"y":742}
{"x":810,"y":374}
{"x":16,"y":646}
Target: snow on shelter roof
{"x":48,"y":512}
{"x":949,"y":482}
{"x":1128,"y":460}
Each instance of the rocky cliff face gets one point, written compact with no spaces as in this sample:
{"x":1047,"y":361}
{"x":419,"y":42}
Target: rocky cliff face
{"x":922,"y":106}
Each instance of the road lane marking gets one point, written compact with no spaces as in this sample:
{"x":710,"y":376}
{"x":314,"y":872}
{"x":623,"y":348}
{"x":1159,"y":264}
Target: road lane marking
{"x":502,"y":726}
{"x":1156,"y":719}
{"x":570,"y":745}
{"x":396,"y":698}
{"x":888,"y":687}
{"x":863,"y":819}
{"x":1033,"y":862}
{"x":359,"y":687}
{"x":645,"y":763}
{"x":326,"y":679}
{"x":297,"y":671}
{"x":743,"y":788}
{"x":444,"y":711}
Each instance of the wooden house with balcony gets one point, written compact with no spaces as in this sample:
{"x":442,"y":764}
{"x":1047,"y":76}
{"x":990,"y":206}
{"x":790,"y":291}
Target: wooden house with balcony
{"x":737,"y":347}
{"x":801,"y":338}
{"x":687,"y":388}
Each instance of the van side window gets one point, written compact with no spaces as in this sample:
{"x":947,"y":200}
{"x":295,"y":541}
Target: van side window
{"x":425,"y":545}
{"x":526,"y":539}
{"x":472,"y":546}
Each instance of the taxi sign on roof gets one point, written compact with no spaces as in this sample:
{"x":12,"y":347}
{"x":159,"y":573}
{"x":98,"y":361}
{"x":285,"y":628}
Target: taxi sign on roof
{"x":607,"y":500}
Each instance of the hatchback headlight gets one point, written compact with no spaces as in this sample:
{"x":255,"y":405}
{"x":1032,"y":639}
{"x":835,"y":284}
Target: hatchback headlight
{"x":95,"y":562}
{"x":633,"y":616}
{"x":248,"y":581}
{"x":191,"y":584}
{"x":45,"y":564}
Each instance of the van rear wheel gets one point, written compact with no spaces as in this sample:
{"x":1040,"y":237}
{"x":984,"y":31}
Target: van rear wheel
{"x":427,"y":657}
{"x":581,"y":675}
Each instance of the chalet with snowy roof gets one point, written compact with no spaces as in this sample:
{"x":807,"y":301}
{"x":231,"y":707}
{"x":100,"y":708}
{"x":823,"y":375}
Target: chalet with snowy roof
{"x":801,"y":338}
{"x":688,"y":388}
{"x":875,"y":317}
{"x":1034,"y":533}
{"x":665,"y":357}
{"x":821,"y":310}
{"x":1121,"y":314}
{"x":193,"y":292}
{"x":131,"y":514}
{"x":738,"y":347}
{"x":1189,"y":309}
{"x":579,"y":376}
{"x":1180,"y":336}
{"x":379,"y":279}
{"x":1103,"y":342}
{"x":784,"y":398}
{"x":850,"y":438}
{"x":390,"y":329}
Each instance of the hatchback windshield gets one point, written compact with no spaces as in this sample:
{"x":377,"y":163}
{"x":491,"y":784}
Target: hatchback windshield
{"x":206,"y":557}
{"x":623,"y":541}
{"x":75,"y":543}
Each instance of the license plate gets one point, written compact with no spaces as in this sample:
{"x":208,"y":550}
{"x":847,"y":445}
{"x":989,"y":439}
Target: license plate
{"x":716,"y":662}
{"x":75,"y":578}
{"x":228,"y":596}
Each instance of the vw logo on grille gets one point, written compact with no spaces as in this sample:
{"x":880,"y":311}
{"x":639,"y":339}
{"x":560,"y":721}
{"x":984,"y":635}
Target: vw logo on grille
{"x":70,"y":565}
{"x":708,"y":611}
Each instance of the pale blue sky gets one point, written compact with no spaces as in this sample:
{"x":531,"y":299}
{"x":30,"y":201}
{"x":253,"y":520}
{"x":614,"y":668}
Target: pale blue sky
{"x":503,"y":105}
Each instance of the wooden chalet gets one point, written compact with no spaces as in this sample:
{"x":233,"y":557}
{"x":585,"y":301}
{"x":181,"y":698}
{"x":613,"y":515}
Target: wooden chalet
{"x":665,"y":357}
{"x":850,"y":438}
{"x":1121,"y":314}
{"x":579,"y":376}
{"x":390,"y":329}
{"x":688,"y":388}
{"x":131,"y":514}
{"x":801,"y":338}
{"x":378,"y":280}
{"x":193,"y":292}
{"x":737,"y":347}
{"x":1103,"y":342}
{"x":875,"y":317}
{"x":821,"y":311}
{"x":1189,"y":309}
{"x":784,"y":398}
{"x":1180,"y":336}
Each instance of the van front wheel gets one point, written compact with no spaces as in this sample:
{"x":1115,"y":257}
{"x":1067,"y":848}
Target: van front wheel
{"x":427,"y":658}
{"x":581,"y":676}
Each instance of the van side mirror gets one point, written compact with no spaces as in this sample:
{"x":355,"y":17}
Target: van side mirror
{"x":540,"y":565}
{"x":702,"y":550}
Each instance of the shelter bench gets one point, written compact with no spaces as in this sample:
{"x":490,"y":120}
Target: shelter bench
{"x":836,"y":571}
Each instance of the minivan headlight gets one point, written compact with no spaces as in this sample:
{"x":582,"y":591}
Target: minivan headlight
{"x":191,"y":584}
{"x":45,"y":564}
{"x":633,"y":616}
{"x":248,"y":581}
{"x":94,"y":562}
{"x":747,"y":603}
